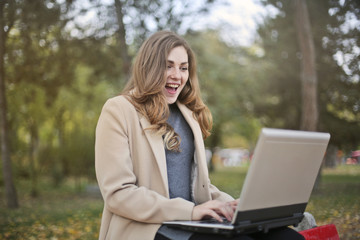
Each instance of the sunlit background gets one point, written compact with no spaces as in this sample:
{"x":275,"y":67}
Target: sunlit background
{"x":61,"y":60}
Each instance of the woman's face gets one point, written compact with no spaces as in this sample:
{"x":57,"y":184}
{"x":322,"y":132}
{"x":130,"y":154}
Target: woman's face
{"x":177,"y":73}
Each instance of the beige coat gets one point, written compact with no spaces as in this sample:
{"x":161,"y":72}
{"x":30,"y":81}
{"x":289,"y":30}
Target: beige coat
{"x":131,"y":172}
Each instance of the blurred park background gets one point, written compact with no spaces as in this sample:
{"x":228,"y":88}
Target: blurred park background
{"x":262,"y":63}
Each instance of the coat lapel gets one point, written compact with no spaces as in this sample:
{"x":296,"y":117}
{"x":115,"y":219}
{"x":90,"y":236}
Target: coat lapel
{"x":194,"y":125}
{"x":157,"y":145}
{"x":200,"y":192}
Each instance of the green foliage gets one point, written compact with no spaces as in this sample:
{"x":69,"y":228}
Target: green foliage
{"x":227,"y":87}
{"x":55,"y":89}
{"x":57,"y":79}
{"x":37,"y":51}
{"x":59,"y":73}
{"x":339,"y":85}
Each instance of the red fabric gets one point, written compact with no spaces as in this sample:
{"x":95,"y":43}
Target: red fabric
{"x":355,"y":153}
{"x":326,"y":232}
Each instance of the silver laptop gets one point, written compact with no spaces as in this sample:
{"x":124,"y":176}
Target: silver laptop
{"x":277,"y":186}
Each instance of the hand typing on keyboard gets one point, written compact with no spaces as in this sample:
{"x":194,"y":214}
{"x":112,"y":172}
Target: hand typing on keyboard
{"x":215,"y":209}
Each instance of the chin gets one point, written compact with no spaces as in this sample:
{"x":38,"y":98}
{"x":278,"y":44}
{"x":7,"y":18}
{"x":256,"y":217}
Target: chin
{"x":171,"y":100}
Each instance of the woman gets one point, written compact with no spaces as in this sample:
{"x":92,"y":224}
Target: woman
{"x":149,"y":152}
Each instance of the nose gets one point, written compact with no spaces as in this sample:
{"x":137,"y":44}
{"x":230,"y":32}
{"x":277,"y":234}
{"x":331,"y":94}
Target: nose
{"x":175,"y":73}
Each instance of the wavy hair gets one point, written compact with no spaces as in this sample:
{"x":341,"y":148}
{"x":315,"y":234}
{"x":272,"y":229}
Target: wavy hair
{"x":148,"y":79}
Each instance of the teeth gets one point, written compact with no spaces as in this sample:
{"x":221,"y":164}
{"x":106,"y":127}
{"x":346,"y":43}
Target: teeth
{"x":172,"y":85}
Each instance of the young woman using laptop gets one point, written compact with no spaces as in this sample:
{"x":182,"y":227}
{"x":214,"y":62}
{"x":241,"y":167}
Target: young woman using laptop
{"x":149,"y":152}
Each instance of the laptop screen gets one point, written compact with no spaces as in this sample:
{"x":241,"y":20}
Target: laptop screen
{"x":282,"y":173}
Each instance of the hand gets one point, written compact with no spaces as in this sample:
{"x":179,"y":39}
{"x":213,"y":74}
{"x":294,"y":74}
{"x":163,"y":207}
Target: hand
{"x":234,"y":204}
{"x":215,"y":209}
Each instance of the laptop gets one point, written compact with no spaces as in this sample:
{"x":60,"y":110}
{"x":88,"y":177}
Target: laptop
{"x":278,"y":184}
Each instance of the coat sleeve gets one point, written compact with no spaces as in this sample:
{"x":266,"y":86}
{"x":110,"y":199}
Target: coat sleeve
{"x":216,"y":194}
{"x":116,"y":178}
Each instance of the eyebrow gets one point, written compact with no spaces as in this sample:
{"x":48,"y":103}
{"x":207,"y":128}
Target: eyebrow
{"x":172,"y":62}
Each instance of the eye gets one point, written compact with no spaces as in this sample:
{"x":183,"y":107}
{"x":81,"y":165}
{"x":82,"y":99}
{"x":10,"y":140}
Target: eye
{"x":184,"y":68}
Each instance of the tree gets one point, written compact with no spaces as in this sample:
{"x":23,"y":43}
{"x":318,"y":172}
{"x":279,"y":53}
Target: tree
{"x":38,"y":64}
{"x":309,"y":116}
{"x":10,"y":191}
{"x":54,"y":60}
{"x":122,"y":37}
{"x":333,"y":36}
{"x":339,"y":61}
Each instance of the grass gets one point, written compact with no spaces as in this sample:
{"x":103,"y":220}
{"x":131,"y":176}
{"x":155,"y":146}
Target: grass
{"x":64,"y":213}
{"x":337,"y":200}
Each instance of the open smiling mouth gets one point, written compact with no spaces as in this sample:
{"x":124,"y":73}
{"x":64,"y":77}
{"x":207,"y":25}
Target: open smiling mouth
{"x":172,"y":87}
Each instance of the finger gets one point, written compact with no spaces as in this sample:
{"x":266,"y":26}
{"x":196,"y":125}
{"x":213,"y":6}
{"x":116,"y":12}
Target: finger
{"x":231,"y":211}
{"x":233,"y":204}
{"x":205,"y":210}
{"x":215,"y":215}
{"x":226,"y":211}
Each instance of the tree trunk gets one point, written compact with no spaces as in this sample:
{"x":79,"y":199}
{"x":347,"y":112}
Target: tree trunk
{"x":10,"y":191}
{"x":214,"y":142}
{"x":122,"y":38}
{"x":33,"y":156}
{"x":60,"y":163}
{"x":309,"y":116}
{"x":309,"y":109}
{"x":331,"y":156}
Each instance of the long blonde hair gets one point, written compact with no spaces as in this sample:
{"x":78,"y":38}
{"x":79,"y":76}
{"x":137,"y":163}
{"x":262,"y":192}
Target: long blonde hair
{"x":148,"y":79}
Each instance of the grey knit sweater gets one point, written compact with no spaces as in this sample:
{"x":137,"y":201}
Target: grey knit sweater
{"x":179,"y":167}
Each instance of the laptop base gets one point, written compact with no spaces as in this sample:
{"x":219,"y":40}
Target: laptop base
{"x":245,"y":227}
